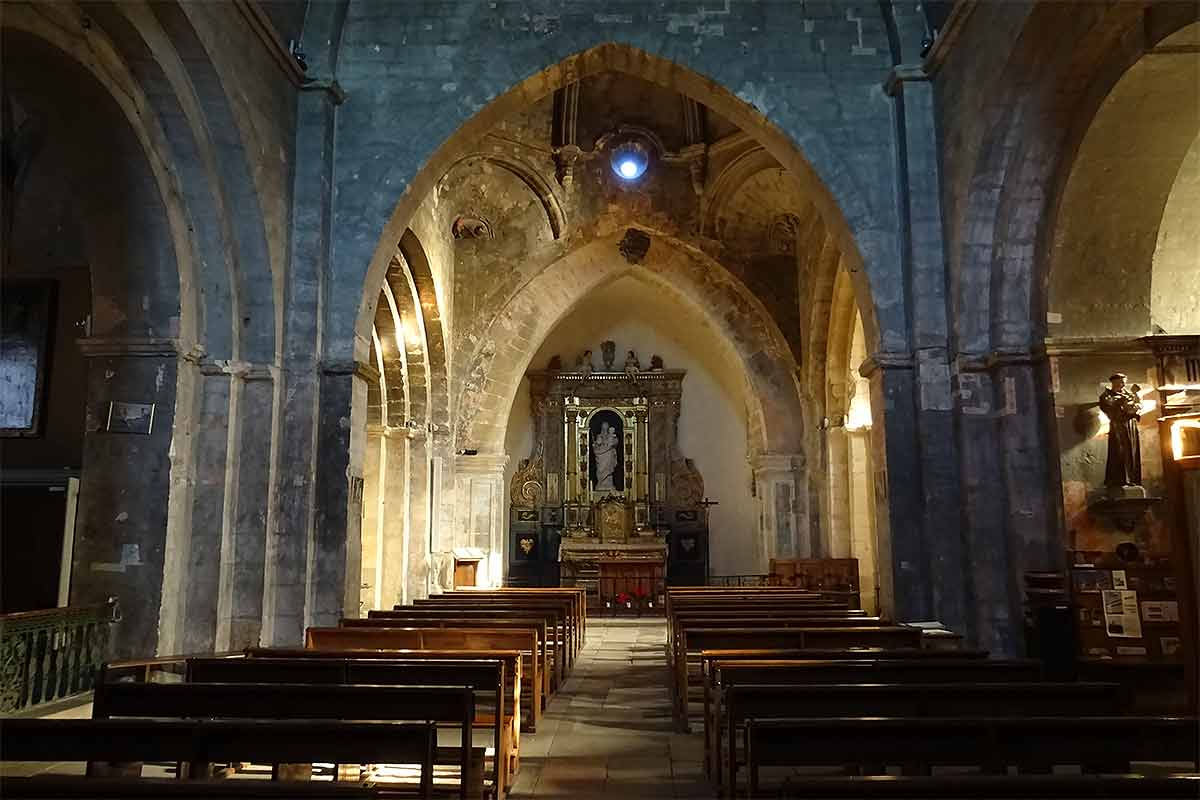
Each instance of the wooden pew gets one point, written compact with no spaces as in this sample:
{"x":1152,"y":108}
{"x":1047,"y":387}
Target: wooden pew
{"x":77,"y":787}
{"x":566,"y":624}
{"x":554,"y":651}
{"x":724,"y":669}
{"x":199,"y":742}
{"x":783,"y":638}
{"x":993,"y":787}
{"x":486,"y":677}
{"x":343,"y":640}
{"x":278,"y":701}
{"x":1104,"y":745}
{"x":573,"y":600}
{"x":513,"y":661}
{"x":577,"y":596}
{"x":558,"y":612}
{"x":743,"y":703}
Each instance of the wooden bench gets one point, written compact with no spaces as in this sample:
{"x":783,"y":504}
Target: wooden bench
{"x":533,"y":690}
{"x":743,"y":703}
{"x":565,"y":624}
{"x":279,"y":701}
{"x":203,"y":742}
{"x":725,"y":668}
{"x":783,"y":638}
{"x":78,"y":787}
{"x":573,"y":600}
{"x":554,"y":651}
{"x":486,"y":677}
{"x":992,"y":787}
{"x":1105,"y":745}
{"x":513,"y":662}
{"x":578,"y":598}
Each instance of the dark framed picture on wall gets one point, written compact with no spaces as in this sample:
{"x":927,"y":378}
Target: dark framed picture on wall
{"x":26,"y":325}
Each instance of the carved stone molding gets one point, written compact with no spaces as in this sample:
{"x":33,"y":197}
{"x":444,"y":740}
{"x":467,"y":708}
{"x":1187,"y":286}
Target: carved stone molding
{"x":129,"y":347}
{"x":472,"y":226}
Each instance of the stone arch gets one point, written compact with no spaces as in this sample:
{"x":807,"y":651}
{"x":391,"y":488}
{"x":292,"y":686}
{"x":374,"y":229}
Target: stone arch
{"x":828,"y":180}
{"x":556,"y":216}
{"x":514,"y":335}
{"x":1047,"y":97}
{"x":101,"y":59}
{"x":429,"y":309}
{"x":169,"y":59}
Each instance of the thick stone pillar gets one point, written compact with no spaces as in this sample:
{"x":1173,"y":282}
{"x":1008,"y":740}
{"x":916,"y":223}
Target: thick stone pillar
{"x":904,"y":590}
{"x":393,"y":532}
{"x":201,"y":574}
{"x":480,"y":510}
{"x":782,"y":493}
{"x":247,"y":505}
{"x":334,"y":573}
{"x":128,"y":482}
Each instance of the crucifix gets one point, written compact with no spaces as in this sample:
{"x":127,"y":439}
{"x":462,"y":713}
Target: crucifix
{"x":705,"y":503}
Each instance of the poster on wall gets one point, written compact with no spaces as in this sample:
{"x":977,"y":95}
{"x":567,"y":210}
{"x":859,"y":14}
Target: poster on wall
{"x":1121,"y":619}
{"x":26,"y":311}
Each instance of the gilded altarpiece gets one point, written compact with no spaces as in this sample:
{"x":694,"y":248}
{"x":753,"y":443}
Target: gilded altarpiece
{"x":606,"y":491}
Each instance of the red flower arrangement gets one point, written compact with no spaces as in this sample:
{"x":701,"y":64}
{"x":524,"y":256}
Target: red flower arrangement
{"x":623,"y":597}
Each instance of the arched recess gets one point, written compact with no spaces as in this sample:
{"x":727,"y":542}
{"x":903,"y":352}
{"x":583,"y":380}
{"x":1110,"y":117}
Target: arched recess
{"x":847,"y":213}
{"x":850,"y":497}
{"x":1119,"y":267}
{"x":503,"y":356}
{"x":1015,"y":139}
{"x":147,"y":270}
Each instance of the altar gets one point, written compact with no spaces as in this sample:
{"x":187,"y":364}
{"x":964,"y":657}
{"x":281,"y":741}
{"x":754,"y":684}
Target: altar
{"x":606,"y":500}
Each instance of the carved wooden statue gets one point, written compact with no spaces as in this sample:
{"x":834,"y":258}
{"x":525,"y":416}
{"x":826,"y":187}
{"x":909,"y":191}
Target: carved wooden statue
{"x":1122,"y":406}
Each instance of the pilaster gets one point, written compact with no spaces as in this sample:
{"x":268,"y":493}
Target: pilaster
{"x":782,"y":498}
{"x":480,"y":509}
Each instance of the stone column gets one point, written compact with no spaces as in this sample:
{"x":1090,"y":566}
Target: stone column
{"x":202,"y":574}
{"x":418,"y":575}
{"x":393,"y":546}
{"x":247,"y":505}
{"x":128,"y":483}
{"x":838,"y":520}
{"x":860,"y":482}
{"x":374,"y":489}
{"x":783,"y":526}
{"x":904,"y":591}
{"x":334,"y":574}
{"x":479,"y":520}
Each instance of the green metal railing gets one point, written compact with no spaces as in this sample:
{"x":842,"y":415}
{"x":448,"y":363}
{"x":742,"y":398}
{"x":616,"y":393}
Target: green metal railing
{"x":53,"y":653}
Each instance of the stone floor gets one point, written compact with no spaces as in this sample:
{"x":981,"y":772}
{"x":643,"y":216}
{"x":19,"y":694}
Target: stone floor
{"x":607,"y":733}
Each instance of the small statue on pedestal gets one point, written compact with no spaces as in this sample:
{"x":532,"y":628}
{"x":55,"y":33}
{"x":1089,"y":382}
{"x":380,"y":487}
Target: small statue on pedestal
{"x":584,"y":365}
{"x":632,"y":365}
{"x":1122,"y":406}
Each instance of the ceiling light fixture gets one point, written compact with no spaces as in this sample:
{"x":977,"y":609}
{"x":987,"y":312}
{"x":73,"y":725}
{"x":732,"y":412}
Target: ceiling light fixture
{"x":630,"y":159}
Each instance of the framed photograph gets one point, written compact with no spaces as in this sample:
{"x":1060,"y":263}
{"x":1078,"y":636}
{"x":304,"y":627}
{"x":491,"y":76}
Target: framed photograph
{"x":26,"y":326}
{"x":135,"y":418}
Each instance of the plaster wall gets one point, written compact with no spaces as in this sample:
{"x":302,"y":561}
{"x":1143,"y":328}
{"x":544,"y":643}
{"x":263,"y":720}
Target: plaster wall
{"x":713,"y":418}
